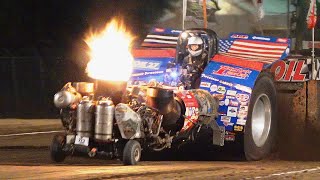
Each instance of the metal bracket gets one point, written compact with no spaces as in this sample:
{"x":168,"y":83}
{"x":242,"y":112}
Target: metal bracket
{"x":218,"y":133}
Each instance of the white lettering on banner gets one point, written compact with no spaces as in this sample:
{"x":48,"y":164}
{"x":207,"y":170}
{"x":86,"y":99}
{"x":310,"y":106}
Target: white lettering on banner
{"x":146,"y":65}
{"x":137,"y":74}
{"x":226,"y":83}
{"x":209,"y":77}
{"x":261,"y":38}
{"x":154,"y":72}
{"x":240,"y":36}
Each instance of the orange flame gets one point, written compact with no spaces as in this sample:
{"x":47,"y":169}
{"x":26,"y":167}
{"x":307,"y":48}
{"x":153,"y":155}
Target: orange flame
{"x":110,"y":57}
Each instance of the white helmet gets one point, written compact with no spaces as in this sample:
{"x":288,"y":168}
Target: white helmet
{"x":195,"y":40}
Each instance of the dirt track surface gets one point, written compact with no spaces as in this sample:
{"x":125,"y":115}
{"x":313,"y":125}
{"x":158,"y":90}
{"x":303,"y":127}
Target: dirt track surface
{"x":10,"y":126}
{"x":36,"y":164}
{"x":27,"y":157}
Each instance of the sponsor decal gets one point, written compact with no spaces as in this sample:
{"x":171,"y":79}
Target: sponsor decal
{"x":153,"y":72}
{"x":192,"y":109}
{"x":261,"y":38}
{"x":159,"y":29}
{"x":241,"y":122}
{"x":282,"y":40}
{"x":229,"y":71}
{"x":229,"y":137}
{"x":176,"y":31}
{"x":243,"y":112}
{"x":218,"y":96}
{"x":205,"y":84}
{"x":238,"y":128}
{"x":290,"y":71}
{"x":232,"y":111}
{"x":243,"y":88}
{"x":228,"y":124}
{"x":221,"y":103}
{"x":229,"y":102}
{"x":154,"y":65}
{"x":189,"y":96}
{"x":213,"y":88}
{"x":225,"y":118}
{"x":230,"y":97}
{"x":242,"y":97}
{"x":243,"y":108}
{"x":239,"y":36}
{"x":244,"y":103}
{"x":231,"y":93}
{"x":221,"y":89}
{"x":192,"y":112}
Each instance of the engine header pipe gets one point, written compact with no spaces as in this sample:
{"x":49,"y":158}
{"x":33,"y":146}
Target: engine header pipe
{"x":112,"y":89}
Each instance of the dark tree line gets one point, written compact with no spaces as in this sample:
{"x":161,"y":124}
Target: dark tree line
{"x":42,"y":47}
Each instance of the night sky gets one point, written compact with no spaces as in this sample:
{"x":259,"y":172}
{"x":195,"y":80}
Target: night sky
{"x":42,"y":46}
{"x":25,"y":23}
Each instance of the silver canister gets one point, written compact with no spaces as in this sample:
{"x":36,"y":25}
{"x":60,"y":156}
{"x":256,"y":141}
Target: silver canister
{"x":104,"y":119}
{"x":65,"y":98}
{"x":85,"y":118}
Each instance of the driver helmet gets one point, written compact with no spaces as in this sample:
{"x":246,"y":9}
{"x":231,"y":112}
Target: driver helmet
{"x":195,"y":46}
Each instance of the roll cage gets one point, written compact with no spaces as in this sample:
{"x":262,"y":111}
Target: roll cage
{"x":210,"y":43}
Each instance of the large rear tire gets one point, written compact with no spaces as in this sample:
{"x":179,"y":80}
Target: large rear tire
{"x":56,"y":148}
{"x":131,"y":153}
{"x":261,"y":126}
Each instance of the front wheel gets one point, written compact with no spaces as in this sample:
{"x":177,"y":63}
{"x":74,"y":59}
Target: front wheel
{"x":131,"y":153}
{"x":260,"y":130}
{"x":56,"y":148}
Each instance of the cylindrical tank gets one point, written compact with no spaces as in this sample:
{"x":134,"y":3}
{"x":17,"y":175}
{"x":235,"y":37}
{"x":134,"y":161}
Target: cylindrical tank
{"x":85,"y":118}
{"x":104,"y":119}
{"x":65,"y":98}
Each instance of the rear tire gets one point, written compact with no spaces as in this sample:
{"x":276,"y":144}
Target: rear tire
{"x":131,"y":153}
{"x":56,"y":148}
{"x":261,"y":126}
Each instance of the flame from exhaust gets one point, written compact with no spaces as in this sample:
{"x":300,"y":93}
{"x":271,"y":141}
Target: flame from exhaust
{"x":110,"y":57}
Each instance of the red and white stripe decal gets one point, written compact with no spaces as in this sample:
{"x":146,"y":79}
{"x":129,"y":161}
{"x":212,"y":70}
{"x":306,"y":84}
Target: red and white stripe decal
{"x":266,"y":52}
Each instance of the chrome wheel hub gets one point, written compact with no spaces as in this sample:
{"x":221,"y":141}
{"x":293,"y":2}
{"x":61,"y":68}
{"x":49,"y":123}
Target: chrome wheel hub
{"x":261,"y":120}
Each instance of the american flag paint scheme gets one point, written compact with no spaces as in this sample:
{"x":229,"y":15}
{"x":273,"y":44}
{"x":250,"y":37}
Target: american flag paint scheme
{"x":263,"y":49}
{"x":254,"y":48}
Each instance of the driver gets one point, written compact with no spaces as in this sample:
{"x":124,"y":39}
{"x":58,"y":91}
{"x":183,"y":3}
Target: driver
{"x":195,"y":62}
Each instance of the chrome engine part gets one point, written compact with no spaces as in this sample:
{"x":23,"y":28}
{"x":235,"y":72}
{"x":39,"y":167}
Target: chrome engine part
{"x":84,"y":88}
{"x":163,"y":100}
{"x":104,"y":119}
{"x":152,"y":120}
{"x":68,"y":96}
{"x":208,"y":105}
{"x":129,"y":121}
{"x":85,"y":120}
